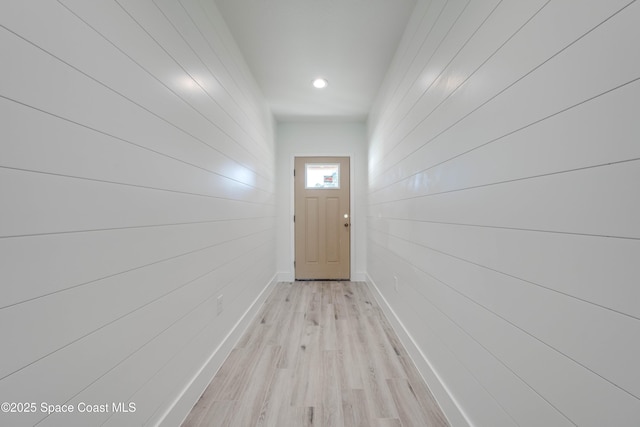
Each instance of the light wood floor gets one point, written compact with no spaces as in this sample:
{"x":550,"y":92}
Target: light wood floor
{"x":319,"y":354}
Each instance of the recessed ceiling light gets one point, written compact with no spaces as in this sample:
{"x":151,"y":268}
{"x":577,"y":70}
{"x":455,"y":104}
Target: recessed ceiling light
{"x":320,"y":83}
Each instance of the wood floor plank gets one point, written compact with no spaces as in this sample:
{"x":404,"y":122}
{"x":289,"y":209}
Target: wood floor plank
{"x":277,"y":397}
{"x":308,"y":368}
{"x":254,"y":393}
{"x":409,"y":409}
{"x":355,"y":409}
{"x":378,"y":395}
{"x":328,"y":327}
{"x":388,"y":422}
{"x":212,"y":392}
{"x":420,"y":388}
{"x":291,"y":332}
{"x":331,"y":391}
{"x":219,"y":413}
{"x":348,"y":357}
{"x":238,"y":379}
{"x":318,"y":354}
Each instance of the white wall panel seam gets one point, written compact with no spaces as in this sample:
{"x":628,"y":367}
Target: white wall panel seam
{"x":224,"y":65}
{"x":389,"y":85}
{"x":200,"y":303}
{"x":453,"y":90}
{"x":53,"y":233}
{"x":394,"y":106}
{"x":385,"y":114}
{"x":146,"y":187}
{"x":446,"y":67}
{"x":539,"y":285}
{"x":233,"y":75}
{"x":508,"y":181}
{"x":605,"y":236}
{"x":177,"y":31}
{"x":252,"y":122}
{"x":473,"y":301}
{"x":250,"y":275}
{"x":449,"y":349}
{"x":149,"y":339}
{"x":512,"y":84}
{"x":248,"y":272}
{"x":442,"y":40}
{"x":184,"y":254}
{"x":495,"y":357}
{"x":510,"y":133}
{"x":148,"y":303}
{"x":71,"y":66}
{"x":132,"y":143}
{"x":181,"y":66}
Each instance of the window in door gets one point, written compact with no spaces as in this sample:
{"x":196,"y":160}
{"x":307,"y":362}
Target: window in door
{"x":322,"y":176}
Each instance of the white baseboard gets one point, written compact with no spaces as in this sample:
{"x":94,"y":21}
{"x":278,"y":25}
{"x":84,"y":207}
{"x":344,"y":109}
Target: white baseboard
{"x":447,"y":403}
{"x":177,"y":412}
{"x":285,"y":276}
{"x":359,"y":277}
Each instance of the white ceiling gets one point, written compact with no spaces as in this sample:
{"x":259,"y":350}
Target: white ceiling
{"x":288,"y":43}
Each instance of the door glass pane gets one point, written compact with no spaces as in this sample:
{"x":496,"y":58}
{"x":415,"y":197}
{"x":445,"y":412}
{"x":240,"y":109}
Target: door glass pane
{"x":322,"y":175}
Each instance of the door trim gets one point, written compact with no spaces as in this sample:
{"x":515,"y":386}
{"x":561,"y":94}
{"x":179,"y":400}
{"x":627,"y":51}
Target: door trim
{"x":352,"y":227}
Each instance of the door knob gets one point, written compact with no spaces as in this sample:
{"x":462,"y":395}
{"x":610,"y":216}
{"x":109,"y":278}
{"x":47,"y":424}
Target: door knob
{"x":346,"y":224}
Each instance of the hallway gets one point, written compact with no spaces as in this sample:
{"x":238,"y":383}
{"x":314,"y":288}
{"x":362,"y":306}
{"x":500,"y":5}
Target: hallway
{"x":318,"y":354}
{"x":146,"y":209}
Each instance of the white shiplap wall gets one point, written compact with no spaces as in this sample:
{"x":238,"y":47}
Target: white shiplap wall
{"x":136,"y":186}
{"x":504,"y":164}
